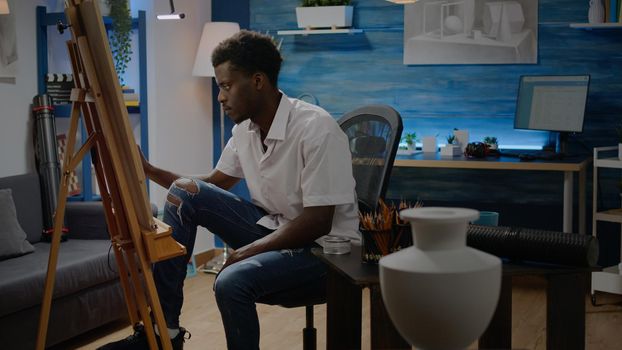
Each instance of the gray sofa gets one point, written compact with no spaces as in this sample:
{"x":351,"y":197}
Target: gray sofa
{"x":87,"y":292}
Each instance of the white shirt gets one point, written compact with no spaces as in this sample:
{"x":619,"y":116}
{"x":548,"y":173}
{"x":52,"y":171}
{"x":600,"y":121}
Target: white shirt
{"x":307,"y":163}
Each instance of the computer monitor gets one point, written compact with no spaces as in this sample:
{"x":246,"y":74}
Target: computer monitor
{"x":551,"y":102}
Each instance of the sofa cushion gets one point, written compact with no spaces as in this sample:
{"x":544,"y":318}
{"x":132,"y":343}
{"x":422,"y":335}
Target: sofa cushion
{"x":81,"y":264}
{"x":27,"y":198}
{"x":13,"y":240}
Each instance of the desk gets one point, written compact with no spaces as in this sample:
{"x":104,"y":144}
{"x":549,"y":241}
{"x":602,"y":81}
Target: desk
{"x":568,"y":165}
{"x":347,"y":276}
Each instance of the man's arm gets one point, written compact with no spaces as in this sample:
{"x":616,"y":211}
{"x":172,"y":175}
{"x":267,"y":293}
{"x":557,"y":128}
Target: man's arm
{"x":165,"y":178}
{"x":311,"y":224}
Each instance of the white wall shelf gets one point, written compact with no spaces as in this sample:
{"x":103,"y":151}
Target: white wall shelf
{"x":319,"y":31}
{"x":596,"y":26}
{"x":609,"y":280}
{"x":608,"y":162}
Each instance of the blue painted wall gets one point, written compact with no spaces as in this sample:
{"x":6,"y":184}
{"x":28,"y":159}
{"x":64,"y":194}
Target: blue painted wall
{"x":346,"y":71}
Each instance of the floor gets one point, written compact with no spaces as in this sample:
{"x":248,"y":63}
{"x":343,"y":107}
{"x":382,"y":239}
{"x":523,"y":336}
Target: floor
{"x":281,"y":327}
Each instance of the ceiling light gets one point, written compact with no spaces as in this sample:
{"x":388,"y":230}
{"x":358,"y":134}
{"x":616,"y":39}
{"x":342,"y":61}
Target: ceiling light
{"x":172,"y":15}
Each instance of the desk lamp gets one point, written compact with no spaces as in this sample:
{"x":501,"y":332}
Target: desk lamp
{"x":213,"y":34}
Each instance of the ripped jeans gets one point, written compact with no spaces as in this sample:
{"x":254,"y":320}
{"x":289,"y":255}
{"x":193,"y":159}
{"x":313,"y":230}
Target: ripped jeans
{"x":193,"y":202}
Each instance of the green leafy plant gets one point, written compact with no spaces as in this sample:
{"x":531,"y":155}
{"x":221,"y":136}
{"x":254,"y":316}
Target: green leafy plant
{"x":451,"y":139}
{"x":121,"y":36}
{"x":311,"y":3}
{"x":490,"y":140}
{"x":410,"y":138}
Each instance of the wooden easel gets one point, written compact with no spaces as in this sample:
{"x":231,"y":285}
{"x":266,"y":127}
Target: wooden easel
{"x":139,"y":239}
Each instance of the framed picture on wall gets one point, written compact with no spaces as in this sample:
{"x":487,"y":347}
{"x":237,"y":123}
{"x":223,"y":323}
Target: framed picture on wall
{"x":471,"y":32}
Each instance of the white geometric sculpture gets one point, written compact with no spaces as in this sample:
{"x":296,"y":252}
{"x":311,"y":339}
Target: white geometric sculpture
{"x":494,"y":13}
{"x":453,"y":24}
{"x":439,"y":293}
{"x":442,"y":18}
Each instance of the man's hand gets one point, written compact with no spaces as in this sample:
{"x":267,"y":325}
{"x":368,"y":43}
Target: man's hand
{"x":314,"y":222}
{"x":240,"y":254}
{"x":162,"y":177}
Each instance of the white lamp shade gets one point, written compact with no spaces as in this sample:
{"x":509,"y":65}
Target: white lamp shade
{"x":4,"y":7}
{"x":213,"y":34}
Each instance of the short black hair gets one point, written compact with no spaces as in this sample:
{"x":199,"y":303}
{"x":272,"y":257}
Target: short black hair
{"x":250,"y":52}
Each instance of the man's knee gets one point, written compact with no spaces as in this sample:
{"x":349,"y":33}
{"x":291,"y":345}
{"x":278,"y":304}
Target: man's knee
{"x":236,"y":280}
{"x":173,"y":199}
{"x":187,"y":185}
{"x":224,"y":285}
{"x":181,"y":189}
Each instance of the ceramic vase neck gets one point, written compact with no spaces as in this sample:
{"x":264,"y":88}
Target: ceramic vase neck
{"x":439,"y":235}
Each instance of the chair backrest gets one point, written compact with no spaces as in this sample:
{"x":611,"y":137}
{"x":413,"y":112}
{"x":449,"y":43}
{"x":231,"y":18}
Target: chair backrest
{"x":374,"y":132}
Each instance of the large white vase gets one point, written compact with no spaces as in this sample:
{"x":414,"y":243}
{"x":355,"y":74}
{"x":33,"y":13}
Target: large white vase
{"x":439,"y":293}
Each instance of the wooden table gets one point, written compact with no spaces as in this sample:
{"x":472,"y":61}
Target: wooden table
{"x":565,"y":322}
{"x":567,"y":165}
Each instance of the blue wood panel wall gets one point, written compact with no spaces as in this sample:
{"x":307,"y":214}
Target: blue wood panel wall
{"x":346,"y":71}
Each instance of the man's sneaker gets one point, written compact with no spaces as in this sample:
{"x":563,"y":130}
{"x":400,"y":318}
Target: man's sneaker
{"x":179,"y":340}
{"x":138,"y":340}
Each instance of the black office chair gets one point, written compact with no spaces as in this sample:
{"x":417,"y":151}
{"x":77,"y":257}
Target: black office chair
{"x":374,"y":133}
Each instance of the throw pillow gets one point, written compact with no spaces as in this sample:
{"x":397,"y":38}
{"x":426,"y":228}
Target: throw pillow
{"x":12,"y":237}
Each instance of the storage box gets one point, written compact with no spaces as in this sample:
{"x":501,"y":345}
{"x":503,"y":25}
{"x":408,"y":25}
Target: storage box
{"x":324,"y":16}
{"x":450,"y":151}
{"x":429,"y":144}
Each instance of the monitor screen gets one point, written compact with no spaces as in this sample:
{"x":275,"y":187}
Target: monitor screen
{"x":551,"y":102}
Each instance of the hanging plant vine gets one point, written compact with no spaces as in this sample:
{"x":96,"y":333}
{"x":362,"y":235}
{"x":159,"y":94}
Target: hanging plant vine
{"x":121,"y":36}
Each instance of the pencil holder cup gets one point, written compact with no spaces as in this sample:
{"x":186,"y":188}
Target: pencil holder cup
{"x":403,"y":237}
{"x":375,"y":244}
{"x":378,"y":243}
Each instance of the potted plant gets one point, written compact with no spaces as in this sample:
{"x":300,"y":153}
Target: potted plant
{"x":104,"y":7}
{"x":451,"y":149}
{"x":410,"y":139}
{"x":491,"y":141}
{"x":121,"y":36}
{"x":324,"y":14}
{"x":451,"y":139}
{"x":462,"y":138}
